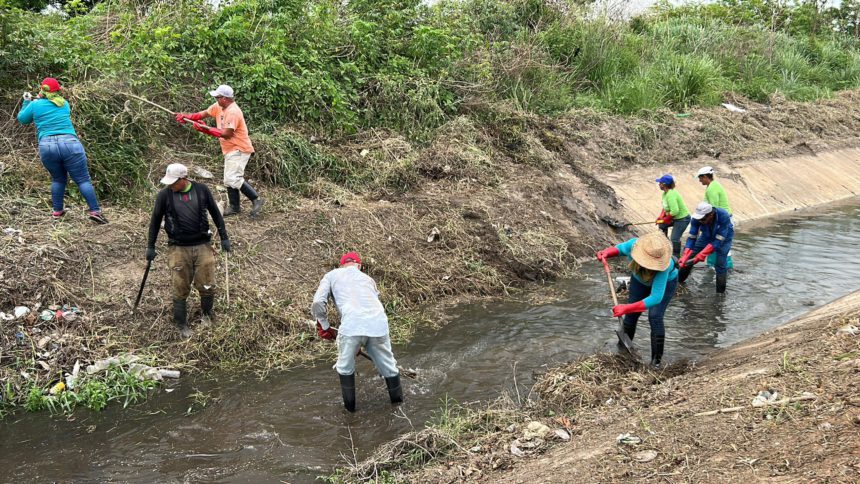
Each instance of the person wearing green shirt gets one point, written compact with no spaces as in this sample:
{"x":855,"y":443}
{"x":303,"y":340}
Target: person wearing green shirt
{"x":715,"y":194}
{"x":674,"y":214}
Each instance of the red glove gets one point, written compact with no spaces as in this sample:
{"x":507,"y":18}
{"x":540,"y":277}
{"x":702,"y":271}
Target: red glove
{"x":686,"y":255}
{"x":701,"y":256}
{"x":666,"y":219}
{"x":622,"y":309}
{"x":207,"y":130}
{"x":327,"y":334}
{"x":661,"y":217}
{"x":607,"y":253}
{"x":182,"y":117}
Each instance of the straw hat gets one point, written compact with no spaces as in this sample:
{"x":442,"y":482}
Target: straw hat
{"x":652,"y":251}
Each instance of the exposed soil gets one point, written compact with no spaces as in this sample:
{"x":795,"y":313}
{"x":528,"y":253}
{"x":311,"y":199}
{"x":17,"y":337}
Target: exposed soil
{"x":514,"y":199}
{"x":695,"y":423}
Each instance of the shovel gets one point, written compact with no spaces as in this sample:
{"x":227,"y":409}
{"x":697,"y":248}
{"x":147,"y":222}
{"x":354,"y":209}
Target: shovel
{"x":622,"y":336}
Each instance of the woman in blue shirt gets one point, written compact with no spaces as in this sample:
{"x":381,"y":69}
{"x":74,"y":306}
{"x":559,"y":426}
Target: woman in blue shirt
{"x":652,"y":285}
{"x":59,"y":147}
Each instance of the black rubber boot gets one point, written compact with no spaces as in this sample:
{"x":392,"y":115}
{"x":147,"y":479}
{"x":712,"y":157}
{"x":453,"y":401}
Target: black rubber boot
{"x":206,"y":305}
{"x":180,"y":317}
{"x":249,"y":191}
{"x":347,"y":388}
{"x":721,"y":283}
{"x":395,"y":391}
{"x":684,"y":273}
{"x":256,"y":201}
{"x":233,"y":197}
{"x":657,"y":343}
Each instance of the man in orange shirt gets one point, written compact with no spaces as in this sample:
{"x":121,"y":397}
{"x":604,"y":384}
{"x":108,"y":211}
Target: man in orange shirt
{"x":235,"y":144}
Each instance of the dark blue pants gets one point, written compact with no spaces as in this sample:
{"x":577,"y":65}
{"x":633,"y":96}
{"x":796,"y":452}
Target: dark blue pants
{"x":638,"y":292}
{"x":63,"y":156}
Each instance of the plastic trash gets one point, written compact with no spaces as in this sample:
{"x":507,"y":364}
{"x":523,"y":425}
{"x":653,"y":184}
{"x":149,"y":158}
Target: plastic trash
{"x":46,"y":315}
{"x":169,"y":373}
{"x":628,"y":438}
{"x":20,"y":311}
{"x":57,"y":389}
{"x":19,"y":338}
{"x":202,"y":172}
{"x":735,"y":109}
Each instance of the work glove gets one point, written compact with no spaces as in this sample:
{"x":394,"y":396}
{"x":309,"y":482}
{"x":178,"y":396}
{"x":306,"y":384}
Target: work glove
{"x":665,"y":218}
{"x":225,"y":245}
{"x":150,"y":253}
{"x":207,"y":130}
{"x":326,"y":334}
{"x":622,"y":309}
{"x":607,"y":253}
{"x":686,"y":255}
{"x":701,"y":256}
{"x":182,"y":117}
{"x":28,"y":96}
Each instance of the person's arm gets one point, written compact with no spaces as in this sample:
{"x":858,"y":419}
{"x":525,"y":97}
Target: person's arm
{"x":658,"y":288}
{"x":318,"y":307}
{"x":625,"y":248}
{"x":721,"y":231}
{"x":157,"y":216}
{"x":212,"y":207}
{"x":25,"y":116}
{"x":694,"y":234}
{"x":227,"y":133}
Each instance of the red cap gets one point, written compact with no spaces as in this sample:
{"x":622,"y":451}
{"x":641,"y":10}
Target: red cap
{"x":53,"y":84}
{"x":350,"y":257}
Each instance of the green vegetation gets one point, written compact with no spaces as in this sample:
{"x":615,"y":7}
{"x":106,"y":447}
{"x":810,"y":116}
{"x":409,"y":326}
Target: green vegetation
{"x":326,"y":70}
{"x":115,"y":384}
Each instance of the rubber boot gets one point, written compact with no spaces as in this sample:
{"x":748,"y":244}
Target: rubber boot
{"x":206,"y":305}
{"x":233,"y":197}
{"x":657,"y":343}
{"x":256,"y":201}
{"x":180,"y":317}
{"x":347,"y":388}
{"x":395,"y":391}
{"x":684,"y":273}
{"x":721,"y":283}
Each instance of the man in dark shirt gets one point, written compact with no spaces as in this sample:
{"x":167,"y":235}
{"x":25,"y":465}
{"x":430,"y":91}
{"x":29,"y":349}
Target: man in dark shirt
{"x":190,"y":256}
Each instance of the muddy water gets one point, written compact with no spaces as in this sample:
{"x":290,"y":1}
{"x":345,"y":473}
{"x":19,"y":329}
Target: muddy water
{"x":290,"y":427}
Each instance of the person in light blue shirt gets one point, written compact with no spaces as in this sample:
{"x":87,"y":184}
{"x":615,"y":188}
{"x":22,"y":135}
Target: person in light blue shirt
{"x":652,"y":286}
{"x":362,"y":323}
{"x":60,"y":149}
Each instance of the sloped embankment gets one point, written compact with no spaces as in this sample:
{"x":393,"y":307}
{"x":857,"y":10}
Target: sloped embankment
{"x":697,"y":422}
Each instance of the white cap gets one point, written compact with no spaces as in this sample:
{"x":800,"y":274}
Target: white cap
{"x":174,"y":172}
{"x":705,"y":170}
{"x":702,"y":209}
{"x":223,"y":90}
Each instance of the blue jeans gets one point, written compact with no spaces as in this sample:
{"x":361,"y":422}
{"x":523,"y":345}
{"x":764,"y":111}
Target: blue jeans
{"x":63,"y":156}
{"x":378,"y":348}
{"x":721,"y":263}
{"x":638,"y":292}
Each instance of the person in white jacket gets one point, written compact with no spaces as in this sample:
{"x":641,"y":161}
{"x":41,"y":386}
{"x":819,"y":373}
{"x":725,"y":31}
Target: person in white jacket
{"x":362,"y":323}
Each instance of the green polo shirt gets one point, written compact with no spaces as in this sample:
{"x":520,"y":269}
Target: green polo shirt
{"x":674,"y":205}
{"x":715,"y":194}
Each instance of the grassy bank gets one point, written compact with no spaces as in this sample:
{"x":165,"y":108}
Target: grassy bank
{"x":375,"y":123}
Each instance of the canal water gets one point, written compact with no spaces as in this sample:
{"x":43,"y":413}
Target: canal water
{"x":291,"y":426}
